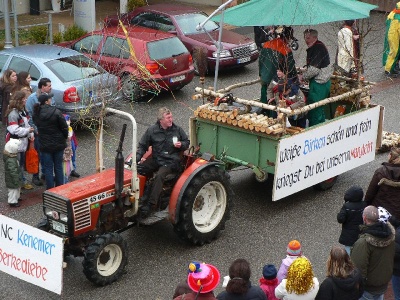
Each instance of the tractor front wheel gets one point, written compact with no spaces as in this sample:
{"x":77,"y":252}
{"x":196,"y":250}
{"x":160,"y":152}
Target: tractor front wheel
{"x":205,"y":206}
{"x":105,"y":259}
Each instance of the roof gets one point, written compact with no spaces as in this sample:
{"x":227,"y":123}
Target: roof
{"x":41,"y":51}
{"x":171,"y":9}
{"x":137,"y":32}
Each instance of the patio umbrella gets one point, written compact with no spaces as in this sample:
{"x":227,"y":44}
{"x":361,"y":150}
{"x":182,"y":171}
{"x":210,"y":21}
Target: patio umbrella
{"x":294,"y":12}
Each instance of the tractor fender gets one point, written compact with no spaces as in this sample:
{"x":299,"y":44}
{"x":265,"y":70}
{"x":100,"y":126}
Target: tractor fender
{"x":182,"y":183}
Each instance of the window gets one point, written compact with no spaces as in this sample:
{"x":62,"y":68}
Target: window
{"x":19,"y":64}
{"x":145,"y":19}
{"x":188,"y":23}
{"x":89,"y":44}
{"x":166,"y":48}
{"x":3,"y":60}
{"x":115,"y":47}
{"x":74,"y":68}
{"x":163,"y":23}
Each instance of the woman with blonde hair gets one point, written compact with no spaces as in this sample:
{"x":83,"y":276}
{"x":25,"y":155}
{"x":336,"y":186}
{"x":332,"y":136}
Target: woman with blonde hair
{"x":7,"y":83}
{"x":300,"y":283}
{"x":343,"y":280}
{"x":384,"y":188}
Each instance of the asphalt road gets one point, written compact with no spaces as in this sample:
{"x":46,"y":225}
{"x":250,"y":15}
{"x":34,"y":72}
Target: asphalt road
{"x":258,"y":230}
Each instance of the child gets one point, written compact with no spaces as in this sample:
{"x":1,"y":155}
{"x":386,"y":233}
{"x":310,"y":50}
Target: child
{"x":350,"y":216}
{"x":289,"y":90}
{"x":74,"y":145}
{"x":269,"y":282}
{"x":293,"y":252}
{"x":13,"y":173}
{"x":68,"y":153}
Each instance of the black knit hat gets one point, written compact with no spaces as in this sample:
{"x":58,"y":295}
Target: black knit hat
{"x":354,"y":194}
{"x":269,"y":272}
{"x":44,"y":97}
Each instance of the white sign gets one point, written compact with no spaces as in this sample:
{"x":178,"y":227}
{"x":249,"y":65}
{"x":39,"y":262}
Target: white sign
{"x":319,"y":154}
{"x":31,"y":254}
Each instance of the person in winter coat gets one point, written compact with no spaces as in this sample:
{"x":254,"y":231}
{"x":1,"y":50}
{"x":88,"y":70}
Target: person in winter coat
{"x":202,"y":279}
{"x":300,"y":284}
{"x":167,"y":140}
{"x":350,"y":216}
{"x":239,"y":286}
{"x":53,"y":132}
{"x":12,"y":171}
{"x":343,"y":281}
{"x":384,"y":188}
{"x":7,"y":83}
{"x":373,"y":253}
{"x":269,"y":282}
{"x":18,"y":128}
{"x":396,"y":268}
{"x":293,"y":251}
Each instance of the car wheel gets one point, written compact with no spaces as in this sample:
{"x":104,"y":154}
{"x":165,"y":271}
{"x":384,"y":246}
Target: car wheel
{"x":130,"y":88}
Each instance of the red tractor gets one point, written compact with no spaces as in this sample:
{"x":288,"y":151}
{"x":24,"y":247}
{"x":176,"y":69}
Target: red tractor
{"x":91,"y":212}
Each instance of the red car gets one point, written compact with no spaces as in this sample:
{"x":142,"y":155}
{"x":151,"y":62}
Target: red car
{"x":236,"y":50}
{"x":155,"y":61}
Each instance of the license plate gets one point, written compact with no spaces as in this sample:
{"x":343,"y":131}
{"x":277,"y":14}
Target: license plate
{"x":57,"y":226}
{"x":243,"y":60}
{"x":178,"y":78}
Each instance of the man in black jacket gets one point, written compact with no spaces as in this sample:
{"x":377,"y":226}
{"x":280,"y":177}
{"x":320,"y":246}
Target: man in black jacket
{"x":167,"y":141}
{"x":53,"y":132}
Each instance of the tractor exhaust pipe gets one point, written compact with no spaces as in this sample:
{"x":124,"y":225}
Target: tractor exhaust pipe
{"x":119,"y":169}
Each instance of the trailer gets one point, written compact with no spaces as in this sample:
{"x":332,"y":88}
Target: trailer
{"x":296,"y":158}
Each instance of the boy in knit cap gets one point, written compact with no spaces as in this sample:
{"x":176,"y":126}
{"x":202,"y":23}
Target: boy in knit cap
{"x":350,"y":216}
{"x":269,"y":282}
{"x":13,"y":173}
{"x":293,"y":252}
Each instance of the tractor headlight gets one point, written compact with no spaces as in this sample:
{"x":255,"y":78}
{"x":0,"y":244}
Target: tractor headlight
{"x":55,"y":215}
{"x":222,"y":53}
{"x":64,"y":218}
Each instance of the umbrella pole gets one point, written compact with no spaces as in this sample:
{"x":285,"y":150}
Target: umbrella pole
{"x":218,"y":51}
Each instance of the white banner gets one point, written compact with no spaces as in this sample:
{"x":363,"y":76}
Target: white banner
{"x":31,"y":254}
{"x":313,"y":156}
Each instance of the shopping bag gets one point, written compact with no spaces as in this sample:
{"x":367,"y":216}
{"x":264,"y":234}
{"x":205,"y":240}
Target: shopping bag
{"x":31,"y":159}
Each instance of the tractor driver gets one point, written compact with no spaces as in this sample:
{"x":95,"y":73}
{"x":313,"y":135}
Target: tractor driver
{"x":167,"y":140}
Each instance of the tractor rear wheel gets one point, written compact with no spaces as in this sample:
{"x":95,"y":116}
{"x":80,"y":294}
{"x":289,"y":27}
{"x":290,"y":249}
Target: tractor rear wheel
{"x":205,"y":206}
{"x":326,"y":185}
{"x":105,"y":259}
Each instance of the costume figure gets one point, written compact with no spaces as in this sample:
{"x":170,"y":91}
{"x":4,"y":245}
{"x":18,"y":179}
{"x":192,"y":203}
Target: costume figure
{"x":392,"y":40}
{"x":276,"y":54}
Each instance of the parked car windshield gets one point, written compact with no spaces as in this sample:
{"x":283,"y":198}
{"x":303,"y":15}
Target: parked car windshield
{"x":74,"y":68}
{"x":166,"y":48}
{"x":188,"y":23}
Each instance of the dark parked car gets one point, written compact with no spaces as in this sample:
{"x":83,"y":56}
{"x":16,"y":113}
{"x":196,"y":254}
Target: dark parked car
{"x":146,"y":60}
{"x":236,"y":50}
{"x":79,"y":85}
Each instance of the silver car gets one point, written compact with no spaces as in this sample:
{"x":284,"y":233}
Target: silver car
{"x":79,"y":85}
